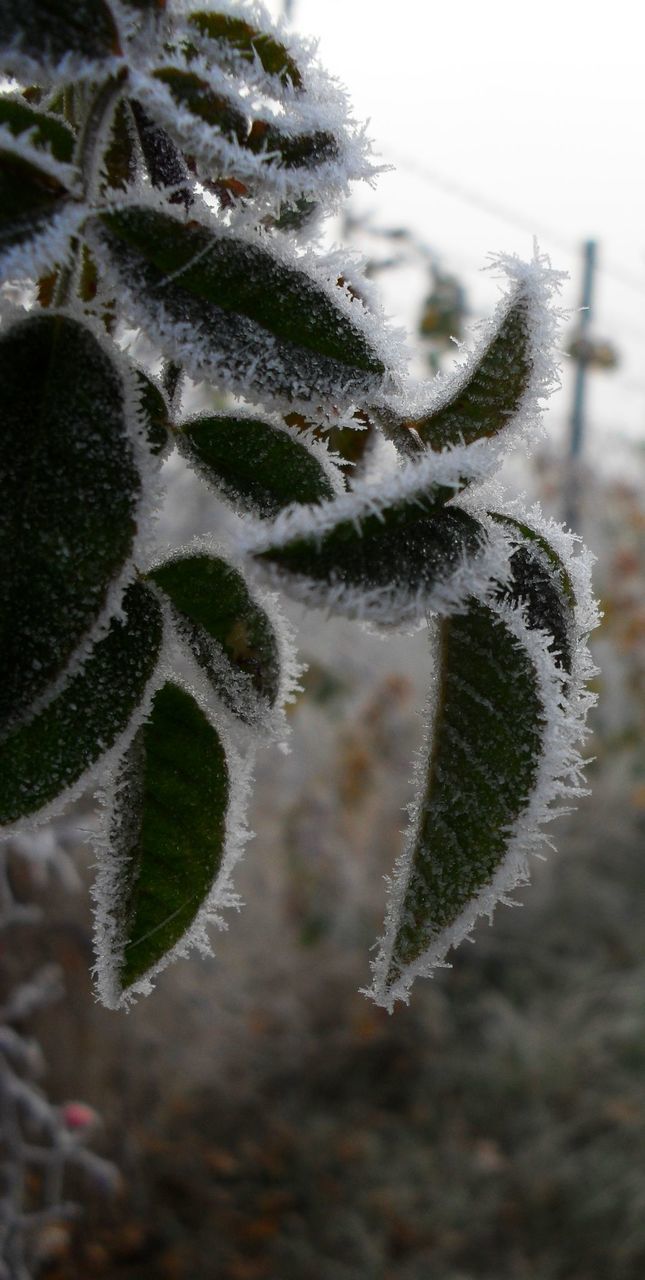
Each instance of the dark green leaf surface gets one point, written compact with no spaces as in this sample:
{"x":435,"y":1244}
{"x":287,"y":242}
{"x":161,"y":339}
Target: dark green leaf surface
{"x":239,"y":36}
{"x":69,"y":490}
{"x":194,"y":94}
{"x":213,"y":604}
{"x":294,"y":151}
{"x":404,"y":547}
{"x":259,"y":467}
{"x":175,"y":791}
{"x":492,"y":394}
{"x":41,"y":759}
{"x":44,"y":130}
{"x":29,"y":199}
{"x":165,"y":164}
{"x":540,"y":582}
{"x":487,"y":747}
{"x":120,"y":156}
{"x":49,"y":29}
{"x":155,"y":411}
{"x":246,"y":308}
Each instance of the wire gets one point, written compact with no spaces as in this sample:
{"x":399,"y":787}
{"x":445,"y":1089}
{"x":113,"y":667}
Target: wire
{"x":512,"y":217}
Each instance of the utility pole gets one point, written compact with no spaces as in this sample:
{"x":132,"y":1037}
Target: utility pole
{"x":583,"y":358}
{"x":577,"y":413}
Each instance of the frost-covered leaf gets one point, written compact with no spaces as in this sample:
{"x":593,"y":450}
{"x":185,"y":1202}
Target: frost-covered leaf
{"x":540,"y":582}
{"x":120,"y":155}
{"x":492,"y":394}
{"x":502,"y":381}
{"x":388,"y":553}
{"x":290,"y":147}
{"x":225,"y":34}
{"x":229,"y":633}
{"x":402,"y":556}
{"x":294,"y":150}
{"x":50,"y":32}
{"x":230,"y":103}
{"x":42,"y":129}
{"x":31,"y":198}
{"x":70,"y":489}
{"x":165,"y":164}
{"x":194,"y":93}
{"x":58,"y":747}
{"x":169,"y":833}
{"x":257,"y":465}
{"x":155,"y":411}
{"x":233,"y":309}
{"x":482,"y":767}
{"x":508,"y":713}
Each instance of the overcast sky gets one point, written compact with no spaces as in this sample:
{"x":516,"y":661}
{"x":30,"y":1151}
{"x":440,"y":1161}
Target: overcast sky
{"x":537,"y":110}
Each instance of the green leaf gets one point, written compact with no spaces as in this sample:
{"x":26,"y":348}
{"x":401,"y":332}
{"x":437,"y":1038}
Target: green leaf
{"x":296,"y":151}
{"x":30,"y":197}
{"x":406,"y":552}
{"x":487,"y":745}
{"x":171,"y":832}
{"x":256,"y":465}
{"x":238,"y":36}
{"x":44,"y":130}
{"x":48,"y":30}
{"x":156,"y":413}
{"x":540,"y":582}
{"x":195,"y":95}
{"x":492,"y":724}
{"x":69,"y":488}
{"x":492,"y":393}
{"x":256,"y":320}
{"x":165,"y":164}
{"x":50,"y":753}
{"x":120,"y":155}
{"x":229,"y":634}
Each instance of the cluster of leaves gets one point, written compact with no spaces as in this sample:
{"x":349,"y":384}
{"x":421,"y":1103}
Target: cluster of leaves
{"x":167,"y":171}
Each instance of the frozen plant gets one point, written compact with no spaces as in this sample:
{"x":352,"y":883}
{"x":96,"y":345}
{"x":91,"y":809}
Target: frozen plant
{"x":41,"y":1141}
{"x":166,"y":170}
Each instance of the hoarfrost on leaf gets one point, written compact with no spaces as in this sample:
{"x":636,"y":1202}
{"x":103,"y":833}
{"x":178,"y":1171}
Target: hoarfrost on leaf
{"x":163,"y":176}
{"x":505,"y":723}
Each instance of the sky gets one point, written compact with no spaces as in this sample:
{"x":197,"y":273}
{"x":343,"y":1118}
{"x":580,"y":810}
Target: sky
{"x":505,"y":120}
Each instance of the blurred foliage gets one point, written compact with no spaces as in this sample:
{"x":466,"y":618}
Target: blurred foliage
{"x":492,"y":1132}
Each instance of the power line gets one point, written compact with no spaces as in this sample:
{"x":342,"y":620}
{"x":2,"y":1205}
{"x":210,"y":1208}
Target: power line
{"x":512,"y":217}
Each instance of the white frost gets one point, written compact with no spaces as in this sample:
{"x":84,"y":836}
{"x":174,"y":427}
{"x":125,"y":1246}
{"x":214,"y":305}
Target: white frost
{"x":109,"y":936}
{"x":566,"y":701}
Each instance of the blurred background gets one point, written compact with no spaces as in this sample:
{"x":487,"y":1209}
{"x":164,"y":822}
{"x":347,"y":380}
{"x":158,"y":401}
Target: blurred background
{"x":256,"y":1118}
